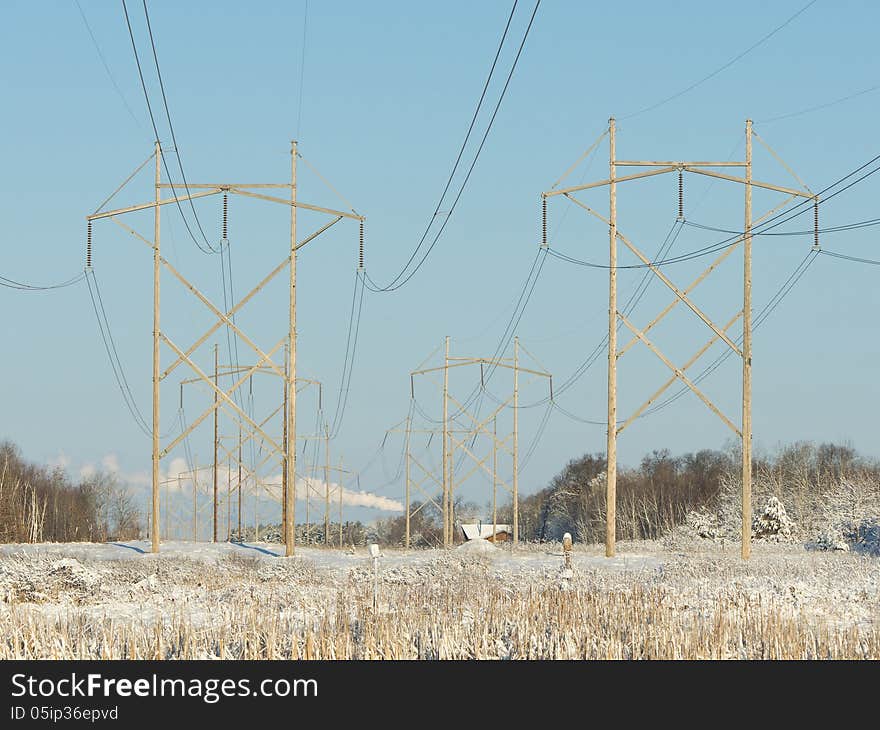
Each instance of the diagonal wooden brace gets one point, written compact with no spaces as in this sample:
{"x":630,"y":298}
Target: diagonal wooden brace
{"x":679,"y":373}
{"x":248,"y":434}
{"x":669,"y":307}
{"x":662,"y":389}
{"x":220,"y":392}
{"x":250,"y":295}
{"x":479,"y":463}
{"x":210,"y":409}
{"x":224,"y":318}
{"x":680,"y":294}
{"x":427,"y":472}
{"x":253,"y":473}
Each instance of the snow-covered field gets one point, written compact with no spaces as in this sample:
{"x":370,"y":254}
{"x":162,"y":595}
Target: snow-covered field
{"x":683,"y":598}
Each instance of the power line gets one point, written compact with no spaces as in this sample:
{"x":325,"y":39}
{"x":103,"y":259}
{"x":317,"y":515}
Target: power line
{"x":855,"y":259}
{"x":354,"y":326}
{"x":502,"y":348}
{"x":302,"y":67}
{"x":761,"y":317}
{"x":855,"y":225}
{"x":106,"y":66}
{"x":537,"y":438}
{"x":722,"y":67}
{"x":187,"y":449}
{"x":231,"y":342}
{"x":156,"y":129}
{"x":519,"y":307}
{"x":23,"y":286}
{"x":381,"y":448}
{"x":799,"y":209}
{"x":402,"y":277}
{"x":471,"y":125}
{"x":761,"y":229}
{"x":818,"y":107}
{"x":519,"y":310}
{"x":689,"y":256}
{"x":633,"y":301}
{"x":113,"y":356}
{"x":171,"y":127}
{"x":401,"y":461}
{"x":460,"y":153}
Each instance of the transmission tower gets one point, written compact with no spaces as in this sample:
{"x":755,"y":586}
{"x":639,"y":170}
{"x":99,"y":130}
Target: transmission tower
{"x":272,"y":458}
{"x":650,"y":169}
{"x":457,"y":439}
{"x":185,"y":356}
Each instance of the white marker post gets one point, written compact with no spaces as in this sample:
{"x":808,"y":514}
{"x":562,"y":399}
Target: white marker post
{"x":567,"y":571}
{"x":374,"y":555}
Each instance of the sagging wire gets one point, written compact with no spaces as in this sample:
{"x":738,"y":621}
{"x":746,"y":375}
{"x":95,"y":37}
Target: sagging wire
{"x":354,"y":326}
{"x":113,"y":355}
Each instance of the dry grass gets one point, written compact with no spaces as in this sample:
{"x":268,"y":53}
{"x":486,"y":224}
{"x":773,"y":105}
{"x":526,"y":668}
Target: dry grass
{"x":415,"y":623}
{"x":708,"y":606}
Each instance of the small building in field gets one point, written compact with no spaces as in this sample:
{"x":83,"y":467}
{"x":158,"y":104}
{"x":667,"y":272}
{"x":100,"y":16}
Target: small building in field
{"x":483,"y":531}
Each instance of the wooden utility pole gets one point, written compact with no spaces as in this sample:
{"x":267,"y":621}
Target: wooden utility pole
{"x":408,"y":427}
{"x":166,"y":509}
{"x":309,"y":484}
{"x":290,"y":443}
{"x":228,"y":502}
{"x":516,"y":440}
{"x":341,"y":492}
{"x":494,"y":478}
{"x":156,"y":428}
{"x":195,"y":477}
{"x":284,"y":440}
{"x":179,"y":530}
{"x":256,"y":519}
{"x":240,"y":537}
{"x":447,"y":529}
{"x":611,"y":467}
{"x":747,"y":357}
{"x":216,"y":439}
{"x":326,"y":485}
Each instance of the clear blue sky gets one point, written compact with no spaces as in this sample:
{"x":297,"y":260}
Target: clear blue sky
{"x":388,"y":92}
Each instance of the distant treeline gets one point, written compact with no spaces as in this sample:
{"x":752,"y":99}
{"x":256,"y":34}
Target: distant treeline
{"x":42,"y":504}
{"x":38,"y":503}
{"x":659,"y":493}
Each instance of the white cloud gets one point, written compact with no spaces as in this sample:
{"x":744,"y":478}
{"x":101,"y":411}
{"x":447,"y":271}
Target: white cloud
{"x":110,"y":463}
{"x":61,"y":461}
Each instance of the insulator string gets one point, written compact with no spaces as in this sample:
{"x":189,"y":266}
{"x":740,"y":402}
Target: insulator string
{"x":89,"y":245}
{"x":225,"y":215}
{"x":361,"y":247}
{"x":680,"y":195}
{"x":544,"y":223}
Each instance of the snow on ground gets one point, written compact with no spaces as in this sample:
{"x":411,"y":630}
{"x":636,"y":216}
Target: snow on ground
{"x":207,"y":583}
